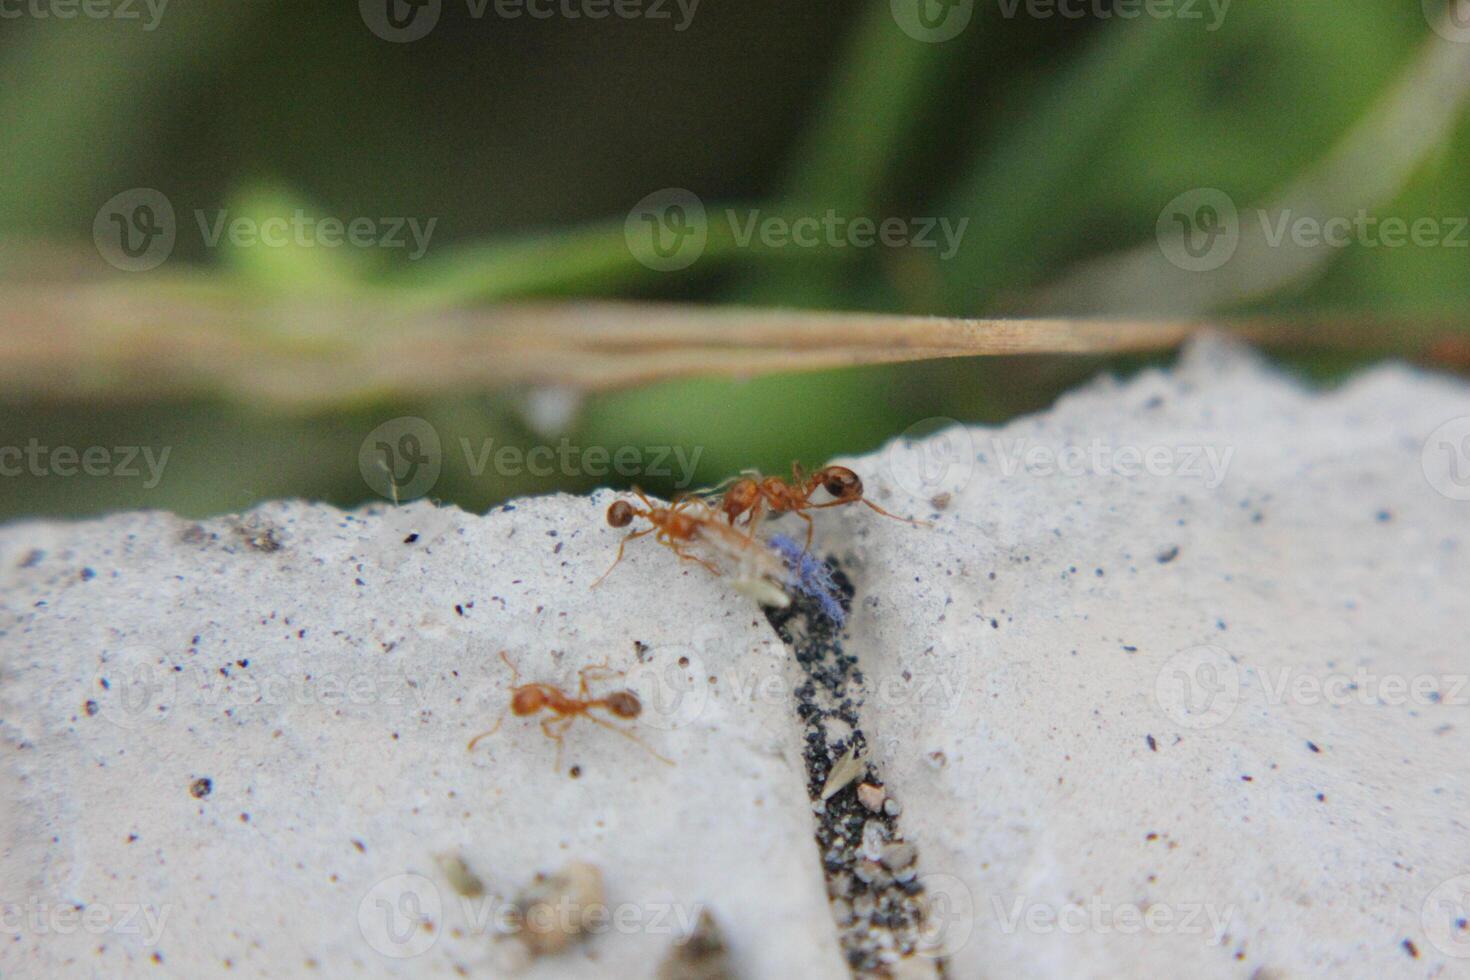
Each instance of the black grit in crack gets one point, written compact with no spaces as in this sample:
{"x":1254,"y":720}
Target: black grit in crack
{"x":872,"y":872}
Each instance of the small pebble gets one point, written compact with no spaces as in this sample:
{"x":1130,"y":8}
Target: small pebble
{"x":549,"y":911}
{"x":874,"y":838}
{"x":703,"y":955}
{"x":891,"y":807}
{"x":844,"y":771}
{"x":872,"y":873}
{"x":460,"y":877}
{"x":871,"y":796}
{"x":899,"y":854}
{"x":914,"y":968}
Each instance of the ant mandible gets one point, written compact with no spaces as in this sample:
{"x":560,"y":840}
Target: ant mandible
{"x":749,"y":494}
{"x":529,"y":699}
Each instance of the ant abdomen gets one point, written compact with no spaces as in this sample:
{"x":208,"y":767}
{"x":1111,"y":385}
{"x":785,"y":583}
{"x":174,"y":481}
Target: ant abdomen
{"x":624,"y":704}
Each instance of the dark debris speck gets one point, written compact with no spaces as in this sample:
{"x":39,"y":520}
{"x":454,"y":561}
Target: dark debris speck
{"x":259,"y":537}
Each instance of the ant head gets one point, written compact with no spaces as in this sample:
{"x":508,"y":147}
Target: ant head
{"x":842,"y":483}
{"x":624,"y":704}
{"x":527,"y":700}
{"x":620,"y":513}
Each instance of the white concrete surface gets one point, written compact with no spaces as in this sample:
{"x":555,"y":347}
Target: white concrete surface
{"x":1190,"y":702}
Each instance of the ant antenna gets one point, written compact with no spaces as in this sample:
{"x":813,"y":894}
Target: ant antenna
{"x":515,"y":676}
{"x":630,"y":737}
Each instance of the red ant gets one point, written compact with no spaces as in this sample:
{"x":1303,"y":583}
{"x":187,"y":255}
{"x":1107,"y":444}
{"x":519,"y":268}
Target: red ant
{"x":749,"y":494}
{"x":687,"y":520}
{"x":529,"y":699}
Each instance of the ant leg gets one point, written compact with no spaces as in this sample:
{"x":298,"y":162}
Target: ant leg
{"x":711,"y":491}
{"x":810,"y":527}
{"x":514,"y":677}
{"x":621,"y":545}
{"x":713,"y":570}
{"x":684,"y":501}
{"x":630,"y":737}
{"x":687,"y":498}
{"x":667,"y":540}
{"x":556,"y":736}
{"x":601,"y":669}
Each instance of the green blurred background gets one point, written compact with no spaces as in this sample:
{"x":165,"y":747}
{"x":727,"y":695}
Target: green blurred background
{"x":528,"y":140}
